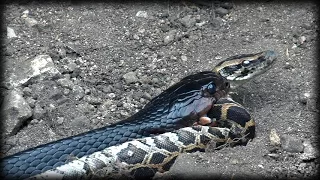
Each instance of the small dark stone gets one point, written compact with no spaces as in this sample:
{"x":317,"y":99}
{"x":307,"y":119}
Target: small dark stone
{"x":27,"y":91}
{"x":221,"y":11}
{"x":78,"y":92}
{"x":38,"y":112}
{"x":55,"y":93}
{"x":291,"y":144}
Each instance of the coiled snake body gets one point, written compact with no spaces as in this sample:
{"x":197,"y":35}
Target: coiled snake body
{"x":182,"y":105}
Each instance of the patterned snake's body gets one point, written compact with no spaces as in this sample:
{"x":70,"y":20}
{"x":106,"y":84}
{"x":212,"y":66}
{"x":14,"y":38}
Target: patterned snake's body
{"x":180,"y":106}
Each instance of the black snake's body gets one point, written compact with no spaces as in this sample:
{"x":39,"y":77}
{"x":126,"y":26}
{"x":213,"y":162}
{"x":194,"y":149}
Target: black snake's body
{"x":179,"y":106}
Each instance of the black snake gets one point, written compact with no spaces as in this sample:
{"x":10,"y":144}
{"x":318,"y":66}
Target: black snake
{"x":182,"y":105}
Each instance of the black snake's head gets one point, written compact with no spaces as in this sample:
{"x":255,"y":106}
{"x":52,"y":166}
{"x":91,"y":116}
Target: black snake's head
{"x":194,"y":96}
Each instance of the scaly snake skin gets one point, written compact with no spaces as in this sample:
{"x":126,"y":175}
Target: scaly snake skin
{"x":180,"y":106}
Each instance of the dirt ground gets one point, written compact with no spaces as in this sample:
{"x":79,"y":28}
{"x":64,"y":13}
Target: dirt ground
{"x":161,"y":43}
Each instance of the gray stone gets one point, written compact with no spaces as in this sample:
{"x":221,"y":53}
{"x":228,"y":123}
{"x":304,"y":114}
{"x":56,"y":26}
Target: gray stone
{"x":222,"y":11}
{"x":69,"y":67}
{"x":41,"y":66}
{"x":30,"y":21}
{"x":169,"y":37}
{"x":55,"y":93}
{"x":78,"y":92}
{"x":93,"y":100}
{"x":60,"y":120}
{"x":147,"y":96}
{"x":27,"y":91}
{"x":274,"y":138}
{"x":130,"y":77}
{"x":291,"y":144}
{"x":188,"y":21}
{"x":15,"y":111}
{"x":11,"y":33}
{"x":38,"y":112}
{"x":31,"y":102}
{"x":66,"y":83}
{"x":309,"y":152}
{"x":142,"y":14}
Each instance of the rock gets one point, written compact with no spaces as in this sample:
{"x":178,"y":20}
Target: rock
{"x":184,"y":58}
{"x":31,"y":102}
{"x":291,"y":144}
{"x":15,"y":111}
{"x":274,"y":138}
{"x":309,"y":152}
{"x":304,"y":98}
{"x":38,"y":112}
{"x":221,"y":11}
{"x":130,"y":77}
{"x":142,"y":14}
{"x":27,"y":91}
{"x":69,"y":67}
{"x":107,"y":89}
{"x":111,"y":95}
{"x":60,"y":120}
{"x":147,"y":96}
{"x":30,"y":21}
{"x":66,"y":83}
{"x":55,"y":93}
{"x":41,"y":66}
{"x":66,"y":91}
{"x":93,"y":100}
{"x":11,"y":33}
{"x":170,"y":36}
{"x":188,"y":21}
{"x":78,"y":92}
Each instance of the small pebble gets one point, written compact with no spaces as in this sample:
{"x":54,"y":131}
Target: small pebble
{"x":30,"y":21}
{"x":234,"y":161}
{"x":302,"y":39}
{"x":130,"y":77}
{"x":273,"y":155}
{"x":291,"y":144}
{"x":184,"y":58}
{"x":170,"y":36}
{"x":27,"y":91}
{"x":31,"y":102}
{"x":87,"y":91}
{"x":309,"y":152}
{"x":147,"y":96}
{"x":222,"y":11}
{"x":78,"y":92}
{"x":188,"y":21}
{"x":304,"y":98}
{"x":60,"y":120}
{"x":274,"y":138}
{"x":142,"y":14}
{"x":66,"y":91}
{"x":11,"y":33}
{"x":34,"y":121}
{"x":111,"y":95}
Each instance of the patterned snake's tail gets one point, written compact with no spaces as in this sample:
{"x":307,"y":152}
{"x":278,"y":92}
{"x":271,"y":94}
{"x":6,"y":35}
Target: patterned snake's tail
{"x":140,"y":158}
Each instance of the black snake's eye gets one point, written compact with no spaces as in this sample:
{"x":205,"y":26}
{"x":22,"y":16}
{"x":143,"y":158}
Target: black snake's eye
{"x":246,"y":63}
{"x":211,"y":88}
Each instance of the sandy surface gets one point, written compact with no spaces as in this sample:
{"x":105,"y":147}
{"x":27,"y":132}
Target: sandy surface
{"x":161,"y":46}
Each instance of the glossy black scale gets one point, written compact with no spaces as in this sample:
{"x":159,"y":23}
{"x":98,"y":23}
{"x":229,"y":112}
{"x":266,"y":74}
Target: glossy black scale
{"x":158,"y":116}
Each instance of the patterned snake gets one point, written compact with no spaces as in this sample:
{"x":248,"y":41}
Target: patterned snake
{"x":198,"y":99}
